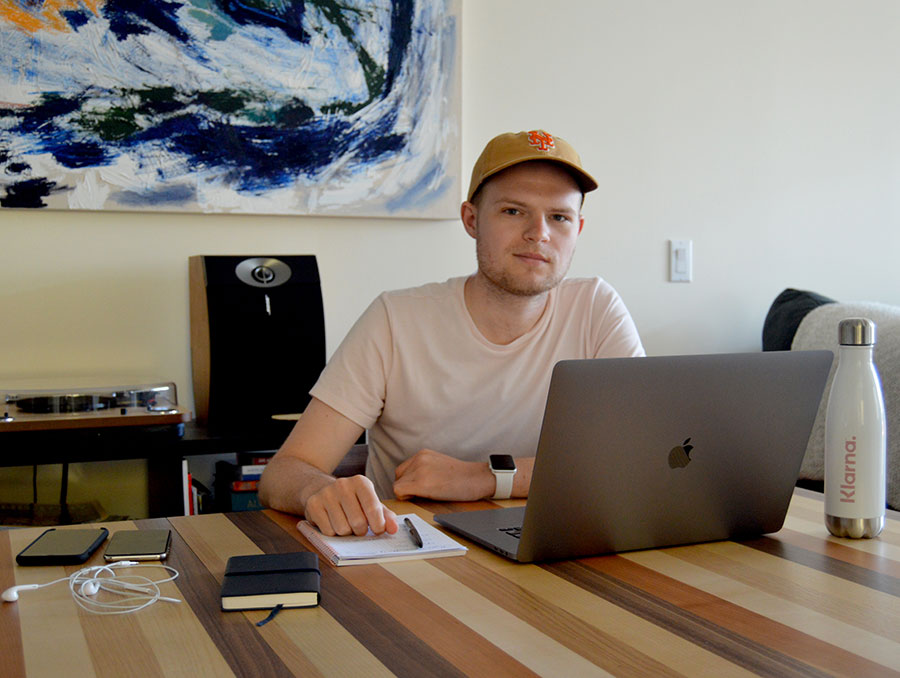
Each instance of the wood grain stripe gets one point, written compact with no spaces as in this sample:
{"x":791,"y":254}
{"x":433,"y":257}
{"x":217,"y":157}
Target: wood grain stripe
{"x":119,"y":648}
{"x":243,"y":651}
{"x":844,"y":601}
{"x":591,"y":643}
{"x":881,"y":546}
{"x":762,"y":617}
{"x":327,"y":645}
{"x":590,"y":573}
{"x":782,"y":546}
{"x":841,"y":551}
{"x":433,"y":507}
{"x":278,"y":636}
{"x":807,"y":515}
{"x":301,"y":638}
{"x":119,"y":644}
{"x":526,"y":643}
{"x":10,"y":629}
{"x":471,"y":653}
{"x":213,"y":539}
{"x":625,"y":632}
{"x":623,"y":627}
{"x":396,"y":646}
{"x":49,"y":613}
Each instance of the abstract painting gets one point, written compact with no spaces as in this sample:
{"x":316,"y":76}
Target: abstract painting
{"x":343,"y":107}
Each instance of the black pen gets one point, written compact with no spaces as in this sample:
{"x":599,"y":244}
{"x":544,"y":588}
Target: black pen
{"x":414,"y":533}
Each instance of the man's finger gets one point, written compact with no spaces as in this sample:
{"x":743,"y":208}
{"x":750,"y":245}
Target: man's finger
{"x":403,"y":488}
{"x":374,"y":511}
{"x":390,"y":521}
{"x":336,"y":519}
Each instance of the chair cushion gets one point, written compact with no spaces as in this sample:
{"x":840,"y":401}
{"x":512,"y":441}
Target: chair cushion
{"x":785,"y":315}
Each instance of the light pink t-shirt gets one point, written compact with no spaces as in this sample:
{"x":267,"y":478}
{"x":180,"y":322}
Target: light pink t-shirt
{"x":417,"y":373}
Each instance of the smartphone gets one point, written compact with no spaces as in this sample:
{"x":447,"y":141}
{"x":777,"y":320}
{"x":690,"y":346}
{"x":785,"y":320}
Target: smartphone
{"x":138,"y":545}
{"x":62,"y":547}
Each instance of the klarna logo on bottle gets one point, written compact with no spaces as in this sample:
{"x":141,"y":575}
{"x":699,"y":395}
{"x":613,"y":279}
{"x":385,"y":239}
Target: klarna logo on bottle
{"x":848,"y":488}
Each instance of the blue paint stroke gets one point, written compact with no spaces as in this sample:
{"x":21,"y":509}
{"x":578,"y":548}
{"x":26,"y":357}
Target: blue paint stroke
{"x":28,"y":193}
{"x":401,"y":32}
{"x":169,"y":196}
{"x":64,"y":144}
{"x":289,"y":19}
{"x":76,"y":18}
{"x":420,"y":194}
{"x":290,"y":141}
{"x":139,"y":17}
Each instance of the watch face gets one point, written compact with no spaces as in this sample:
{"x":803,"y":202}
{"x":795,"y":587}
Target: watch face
{"x":502,"y":462}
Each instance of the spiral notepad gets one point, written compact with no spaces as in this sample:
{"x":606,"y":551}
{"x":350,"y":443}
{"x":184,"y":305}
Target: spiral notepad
{"x":372,"y":548}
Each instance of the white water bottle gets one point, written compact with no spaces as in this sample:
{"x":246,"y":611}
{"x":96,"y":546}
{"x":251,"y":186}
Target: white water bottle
{"x":855,"y":437}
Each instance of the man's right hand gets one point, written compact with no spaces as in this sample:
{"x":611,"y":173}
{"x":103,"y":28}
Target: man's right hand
{"x":298,"y":479}
{"x":349,"y":506}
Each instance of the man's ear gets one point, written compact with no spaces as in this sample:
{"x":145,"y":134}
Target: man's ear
{"x":469,"y":215}
{"x":580,"y":224}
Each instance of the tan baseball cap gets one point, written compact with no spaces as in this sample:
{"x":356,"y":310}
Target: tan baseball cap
{"x":510,"y":149}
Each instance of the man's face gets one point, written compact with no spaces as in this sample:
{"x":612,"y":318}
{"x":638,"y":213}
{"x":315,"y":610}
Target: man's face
{"x":525,"y":222}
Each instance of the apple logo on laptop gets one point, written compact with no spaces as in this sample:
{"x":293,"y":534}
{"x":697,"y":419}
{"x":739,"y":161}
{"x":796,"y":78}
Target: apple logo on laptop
{"x":680,"y":456}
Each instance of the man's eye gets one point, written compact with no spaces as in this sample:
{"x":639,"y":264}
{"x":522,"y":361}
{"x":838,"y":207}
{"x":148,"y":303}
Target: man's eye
{"x":511,"y":210}
{"x":560,"y":217}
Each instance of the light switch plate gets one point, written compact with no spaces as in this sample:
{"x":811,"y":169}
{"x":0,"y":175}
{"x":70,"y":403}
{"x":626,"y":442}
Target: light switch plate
{"x":681,"y":260}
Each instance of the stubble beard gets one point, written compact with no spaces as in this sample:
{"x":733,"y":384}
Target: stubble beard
{"x":504,"y":281}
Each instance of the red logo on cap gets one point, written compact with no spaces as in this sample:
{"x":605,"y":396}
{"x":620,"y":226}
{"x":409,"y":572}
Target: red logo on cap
{"x":540,"y":140}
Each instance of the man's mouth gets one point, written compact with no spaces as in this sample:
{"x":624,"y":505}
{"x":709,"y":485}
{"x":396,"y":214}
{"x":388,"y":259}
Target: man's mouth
{"x":534,"y":256}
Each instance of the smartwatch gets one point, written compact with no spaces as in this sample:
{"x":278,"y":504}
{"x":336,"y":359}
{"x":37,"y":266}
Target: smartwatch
{"x":503,"y":466}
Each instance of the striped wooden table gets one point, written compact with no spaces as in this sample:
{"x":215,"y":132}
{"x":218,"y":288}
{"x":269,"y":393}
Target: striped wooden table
{"x":795,"y":603}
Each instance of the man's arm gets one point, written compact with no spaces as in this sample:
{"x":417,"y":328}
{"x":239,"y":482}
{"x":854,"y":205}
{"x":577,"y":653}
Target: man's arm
{"x":438,"y":476}
{"x":298,"y":478}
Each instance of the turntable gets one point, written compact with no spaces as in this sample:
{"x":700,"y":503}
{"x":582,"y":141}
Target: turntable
{"x":42,"y":409}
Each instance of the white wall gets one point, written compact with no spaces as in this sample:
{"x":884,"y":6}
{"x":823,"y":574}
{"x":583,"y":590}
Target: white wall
{"x":768,"y":132}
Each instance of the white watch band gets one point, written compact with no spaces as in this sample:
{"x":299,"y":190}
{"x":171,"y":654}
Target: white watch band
{"x":504,"y":486}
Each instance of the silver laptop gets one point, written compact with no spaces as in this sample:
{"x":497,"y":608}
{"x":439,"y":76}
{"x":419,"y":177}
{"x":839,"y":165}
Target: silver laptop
{"x":643,"y":453}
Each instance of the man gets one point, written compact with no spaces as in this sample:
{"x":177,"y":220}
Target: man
{"x":446,"y":374}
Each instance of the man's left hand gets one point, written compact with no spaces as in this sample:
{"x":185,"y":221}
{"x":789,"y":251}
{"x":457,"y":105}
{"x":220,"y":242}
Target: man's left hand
{"x":434,"y":475}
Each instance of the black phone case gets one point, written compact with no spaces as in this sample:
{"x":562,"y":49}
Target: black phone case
{"x":23,"y":558}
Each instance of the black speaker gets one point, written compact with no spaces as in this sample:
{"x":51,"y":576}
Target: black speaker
{"x":257,"y":340}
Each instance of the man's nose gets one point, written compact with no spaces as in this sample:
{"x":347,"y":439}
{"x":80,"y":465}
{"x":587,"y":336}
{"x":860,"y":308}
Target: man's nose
{"x":537,"y":229}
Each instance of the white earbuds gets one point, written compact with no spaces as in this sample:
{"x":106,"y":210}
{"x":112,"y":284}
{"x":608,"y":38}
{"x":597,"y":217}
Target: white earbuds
{"x":11,"y":594}
{"x":87,"y":582}
{"x":90,"y":587}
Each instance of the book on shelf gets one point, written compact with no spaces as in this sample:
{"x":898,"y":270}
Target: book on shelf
{"x":254,"y":458}
{"x":186,"y":485}
{"x":370,"y":548}
{"x":244,"y":485}
{"x":244,"y":501}
{"x":195,"y":498}
{"x":227,"y":498}
{"x":265,"y":581}
{"x":250,"y":471}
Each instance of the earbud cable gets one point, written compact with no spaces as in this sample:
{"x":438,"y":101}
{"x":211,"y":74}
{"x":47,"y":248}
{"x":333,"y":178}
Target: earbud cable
{"x":136,"y":591}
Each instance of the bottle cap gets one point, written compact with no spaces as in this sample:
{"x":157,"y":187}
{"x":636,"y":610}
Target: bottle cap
{"x":856,"y":332}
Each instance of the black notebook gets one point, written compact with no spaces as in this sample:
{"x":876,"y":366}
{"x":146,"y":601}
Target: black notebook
{"x":266,"y":581}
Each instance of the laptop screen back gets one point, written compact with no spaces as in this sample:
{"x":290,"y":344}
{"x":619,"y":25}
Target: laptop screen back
{"x":648,"y":452}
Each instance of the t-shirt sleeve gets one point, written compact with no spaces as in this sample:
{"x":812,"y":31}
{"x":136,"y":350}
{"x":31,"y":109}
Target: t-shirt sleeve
{"x":354,"y":380}
{"x":613,"y":332}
